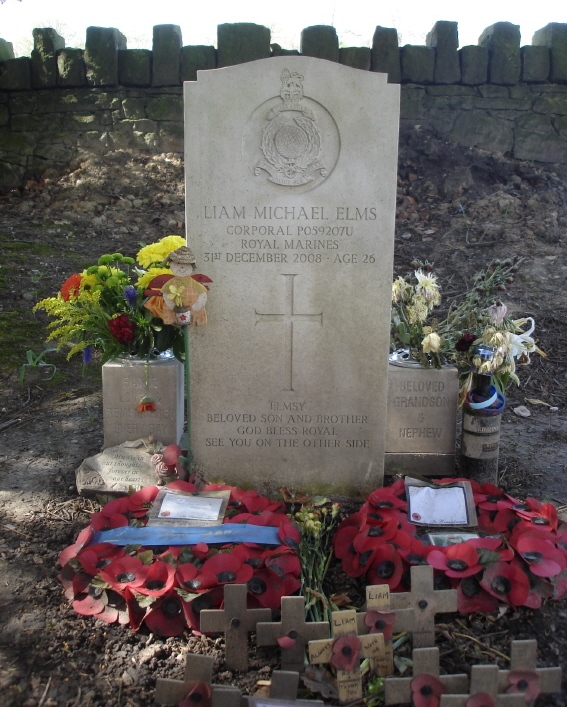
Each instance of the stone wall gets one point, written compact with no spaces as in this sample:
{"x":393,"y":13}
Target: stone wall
{"x":62,"y":103}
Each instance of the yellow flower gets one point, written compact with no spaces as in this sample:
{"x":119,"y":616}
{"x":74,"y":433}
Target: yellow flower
{"x":146,"y":277}
{"x":431,"y":342}
{"x":158,"y":252}
{"x":175,"y":293}
{"x":88,"y":280}
{"x":417,"y":311}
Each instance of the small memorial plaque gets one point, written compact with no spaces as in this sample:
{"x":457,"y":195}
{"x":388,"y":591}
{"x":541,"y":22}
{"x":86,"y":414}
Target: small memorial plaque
{"x":432,"y":504}
{"x":116,"y":470}
{"x":422,"y":420}
{"x":172,"y":507}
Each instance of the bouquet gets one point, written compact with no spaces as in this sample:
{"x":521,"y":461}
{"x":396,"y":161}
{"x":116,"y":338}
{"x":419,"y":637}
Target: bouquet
{"x":477,"y":317}
{"x":113,"y":306}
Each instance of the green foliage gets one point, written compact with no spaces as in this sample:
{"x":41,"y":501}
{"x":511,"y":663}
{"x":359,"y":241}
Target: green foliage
{"x":34,"y":361}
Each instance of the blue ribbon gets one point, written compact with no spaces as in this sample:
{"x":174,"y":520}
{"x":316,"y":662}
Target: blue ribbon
{"x":180,"y":535}
{"x":493,"y":405}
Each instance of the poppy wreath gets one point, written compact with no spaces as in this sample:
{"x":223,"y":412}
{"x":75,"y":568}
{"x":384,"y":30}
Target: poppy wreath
{"x":520,"y":560}
{"x":166,"y":588}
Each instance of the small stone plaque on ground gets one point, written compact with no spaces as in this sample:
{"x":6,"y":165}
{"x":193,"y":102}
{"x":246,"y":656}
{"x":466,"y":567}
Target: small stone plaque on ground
{"x":116,"y":470}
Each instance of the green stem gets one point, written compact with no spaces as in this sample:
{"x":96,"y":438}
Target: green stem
{"x":188,"y":394}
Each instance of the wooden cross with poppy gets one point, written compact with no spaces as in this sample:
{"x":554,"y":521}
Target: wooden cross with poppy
{"x":425,"y":683}
{"x":196,"y":686}
{"x":283,"y":691}
{"x":236,"y":622}
{"x":292,"y":633}
{"x":523,"y":676}
{"x":379,"y":618}
{"x":483,"y":691}
{"x":344,"y":652}
{"x":425,"y":602}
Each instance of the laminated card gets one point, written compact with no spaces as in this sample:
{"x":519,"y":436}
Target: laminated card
{"x":290,"y":184}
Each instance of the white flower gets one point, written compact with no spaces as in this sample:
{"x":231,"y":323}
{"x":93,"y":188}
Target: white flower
{"x":497,"y":312}
{"x":428,"y":288}
{"x":431,"y":343}
{"x":522,"y":344}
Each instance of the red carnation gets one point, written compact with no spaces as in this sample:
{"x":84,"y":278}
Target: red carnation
{"x":122,"y":329}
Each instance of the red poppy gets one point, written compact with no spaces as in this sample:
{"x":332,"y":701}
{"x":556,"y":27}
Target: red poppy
{"x":180,"y":485}
{"x":283,"y":563}
{"x":159,"y":578}
{"x":386,"y":567}
{"x":146,"y":405}
{"x":413,"y":552}
{"x":88,"y":605}
{"x":540,"y":589}
{"x":456,"y":560}
{"x":381,"y":622}
{"x":480,"y":699}
{"x":73,"y":583}
{"x":136,"y":613}
{"x":427,"y":690}
{"x":472,"y":597}
{"x":253,"y":501}
{"x":224,"y":568}
{"x":250,"y":555}
{"x":124,"y":572}
{"x":507,"y":582}
{"x":542,"y":557}
{"x":525,"y":682}
{"x":166,"y":616}
{"x":140,"y":501}
{"x":354,"y":564}
{"x":384,"y":498}
{"x":288,"y":641}
{"x":268,"y":589}
{"x":488,"y":497}
{"x":542,"y":515}
{"x":186,"y":574}
{"x":199,"y":694}
{"x":346,"y":651}
{"x":289,"y":534}
{"x":208,"y":600}
{"x":490,"y":550}
{"x":70,"y":288}
{"x":96,"y":557}
{"x":100,"y":521}
{"x":83,"y":538}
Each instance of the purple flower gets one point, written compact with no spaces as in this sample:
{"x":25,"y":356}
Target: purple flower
{"x":130,"y":295}
{"x":87,"y":354}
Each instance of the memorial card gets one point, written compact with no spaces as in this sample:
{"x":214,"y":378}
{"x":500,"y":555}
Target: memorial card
{"x":172,"y":507}
{"x":433,"y":504}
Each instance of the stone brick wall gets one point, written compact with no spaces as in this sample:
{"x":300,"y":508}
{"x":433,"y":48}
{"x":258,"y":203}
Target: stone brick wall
{"x":62,"y":103}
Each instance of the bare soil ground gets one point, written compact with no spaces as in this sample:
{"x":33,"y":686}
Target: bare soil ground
{"x":459,"y":208}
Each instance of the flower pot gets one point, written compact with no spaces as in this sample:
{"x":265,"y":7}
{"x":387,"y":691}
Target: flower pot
{"x":129,"y":380}
{"x":182,"y":315}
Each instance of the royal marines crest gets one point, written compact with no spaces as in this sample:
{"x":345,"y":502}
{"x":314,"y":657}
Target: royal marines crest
{"x":291,"y":140}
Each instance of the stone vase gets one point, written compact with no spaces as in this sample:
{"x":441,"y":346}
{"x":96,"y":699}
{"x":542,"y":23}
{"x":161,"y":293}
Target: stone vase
{"x":126,"y":382}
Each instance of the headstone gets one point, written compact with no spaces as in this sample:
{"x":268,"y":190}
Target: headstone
{"x":116,"y":470}
{"x":291,"y":184}
{"x":422,"y":420}
{"x":426,"y":602}
{"x":123,"y":388}
{"x":425,"y":662}
{"x":198,"y":669}
{"x":292,"y":633}
{"x":236,"y":622}
{"x":349,"y":680}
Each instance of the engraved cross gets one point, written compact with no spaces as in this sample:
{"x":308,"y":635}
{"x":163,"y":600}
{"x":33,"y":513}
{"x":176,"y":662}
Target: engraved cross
{"x":288,"y":318}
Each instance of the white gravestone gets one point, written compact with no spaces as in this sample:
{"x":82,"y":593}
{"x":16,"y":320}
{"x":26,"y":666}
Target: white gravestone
{"x":291,"y":184}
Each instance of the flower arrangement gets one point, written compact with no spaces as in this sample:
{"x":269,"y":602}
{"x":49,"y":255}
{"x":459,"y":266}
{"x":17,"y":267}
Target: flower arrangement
{"x":116,"y":306}
{"x":478,"y":317}
{"x":166,"y":588}
{"x":522,"y":560}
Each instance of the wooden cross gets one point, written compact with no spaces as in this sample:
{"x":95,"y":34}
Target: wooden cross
{"x":425,"y":662}
{"x":293,"y":626}
{"x":236,"y":622}
{"x":484,"y":678}
{"x":378,"y":599}
{"x":283,"y":691}
{"x":349,"y":682}
{"x":198,"y":668}
{"x":425,"y":602}
{"x":524,"y":657}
